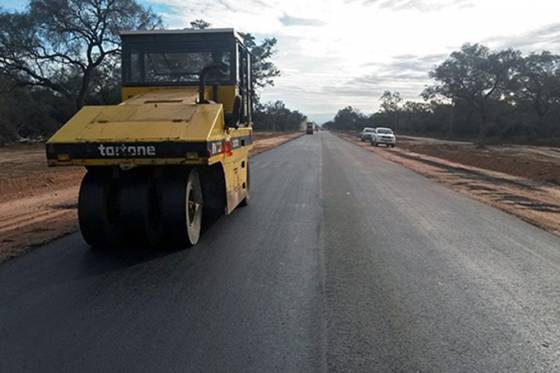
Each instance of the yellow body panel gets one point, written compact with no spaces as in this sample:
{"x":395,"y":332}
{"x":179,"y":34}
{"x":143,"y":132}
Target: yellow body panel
{"x":235,"y":170}
{"x":226,"y":94}
{"x":149,"y":121}
{"x":167,"y":115}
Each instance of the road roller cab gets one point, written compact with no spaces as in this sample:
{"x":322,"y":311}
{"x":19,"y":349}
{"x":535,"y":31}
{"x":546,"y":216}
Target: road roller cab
{"x":174,"y":153}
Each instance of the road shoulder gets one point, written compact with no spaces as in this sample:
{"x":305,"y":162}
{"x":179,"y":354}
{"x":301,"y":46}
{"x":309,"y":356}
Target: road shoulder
{"x":534,"y":201}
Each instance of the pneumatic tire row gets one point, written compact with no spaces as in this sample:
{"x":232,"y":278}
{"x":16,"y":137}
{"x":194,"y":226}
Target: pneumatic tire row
{"x":138,"y":209}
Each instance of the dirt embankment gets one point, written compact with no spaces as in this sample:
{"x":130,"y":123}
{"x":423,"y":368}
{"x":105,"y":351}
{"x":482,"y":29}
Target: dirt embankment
{"x":38,"y":204}
{"x":538,"y":163}
{"x":521,"y":180}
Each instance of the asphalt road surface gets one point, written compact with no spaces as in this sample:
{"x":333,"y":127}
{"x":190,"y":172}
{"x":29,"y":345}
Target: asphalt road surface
{"x":343,"y":262}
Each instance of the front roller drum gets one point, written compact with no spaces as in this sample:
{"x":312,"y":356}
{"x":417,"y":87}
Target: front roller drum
{"x":98,"y":211}
{"x":182,"y":205}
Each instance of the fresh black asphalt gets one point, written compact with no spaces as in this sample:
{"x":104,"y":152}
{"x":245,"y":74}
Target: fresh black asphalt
{"x":343,"y":262}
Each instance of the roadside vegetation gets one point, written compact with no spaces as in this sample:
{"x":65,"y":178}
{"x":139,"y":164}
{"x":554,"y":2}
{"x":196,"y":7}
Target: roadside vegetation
{"x":476,"y":93}
{"x":56,"y":56}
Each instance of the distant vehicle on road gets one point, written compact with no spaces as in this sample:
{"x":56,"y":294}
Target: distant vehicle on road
{"x":367,"y":133}
{"x":383,"y":136}
{"x":310,"y":128}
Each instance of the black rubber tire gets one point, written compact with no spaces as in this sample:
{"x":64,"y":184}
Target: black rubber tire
{"x":213,"y":194}
{"x":175,"y":187}
{"x":247,"y":199}
{"x":98,"y":210}
{"x":140,"y":211}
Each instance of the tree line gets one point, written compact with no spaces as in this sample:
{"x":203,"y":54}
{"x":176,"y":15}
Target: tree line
{"x":476,"y":91}
{"x":56,"y":56}
{"x":275,"y":116}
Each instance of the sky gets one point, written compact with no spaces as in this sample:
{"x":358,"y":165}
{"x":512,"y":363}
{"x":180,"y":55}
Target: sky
{"x":335,"y":53}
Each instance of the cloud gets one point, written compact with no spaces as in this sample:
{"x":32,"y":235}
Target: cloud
{"x":419,"y":5}
{"x":335,"y":53}
{"x":546,"y":37}
{"x":407,"y":74}
{"x":287,"y":20}
{"x":411,"y":63}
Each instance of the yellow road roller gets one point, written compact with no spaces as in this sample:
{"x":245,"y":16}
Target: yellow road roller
{"x":173,"y":155}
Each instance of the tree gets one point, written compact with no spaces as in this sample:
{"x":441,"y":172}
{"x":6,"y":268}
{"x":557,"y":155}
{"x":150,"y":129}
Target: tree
{"x":200,"y":24}
{"x":28,"y":114}
{"x":275,"y":116}
{"x":349,"y":119}
{"x":391,"y":106}
{"x":57,"y":39}
{"x":476,"y":76}
{"x":476,"y":90}
{"x":539,"y":85}
{"x":264,"y":70}
{"x":390,"y":102}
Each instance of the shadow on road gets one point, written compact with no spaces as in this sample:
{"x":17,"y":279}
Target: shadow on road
{"x":101,"y":260}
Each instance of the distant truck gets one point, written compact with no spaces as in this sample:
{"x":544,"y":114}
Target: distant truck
{"x":310,"y":128}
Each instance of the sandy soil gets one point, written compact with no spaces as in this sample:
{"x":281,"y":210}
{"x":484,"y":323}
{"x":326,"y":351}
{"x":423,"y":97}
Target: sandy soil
{"x":38,"y":203}
{"x":537,"y":163}
{"x":521,"y":180}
